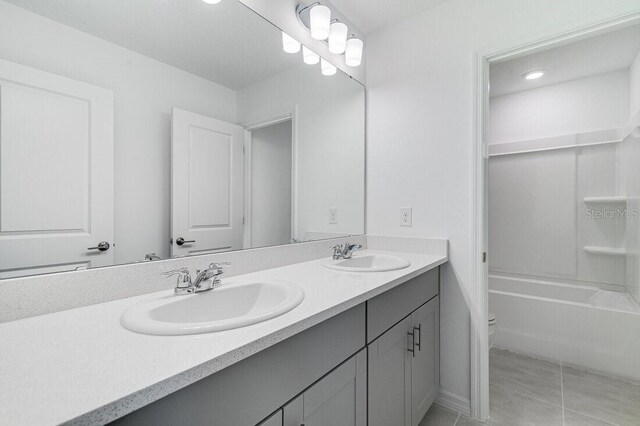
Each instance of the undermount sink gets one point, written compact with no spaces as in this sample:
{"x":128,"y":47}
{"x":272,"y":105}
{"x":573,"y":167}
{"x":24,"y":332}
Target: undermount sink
{"x":368,"y":263}
{"x":226,"y":307}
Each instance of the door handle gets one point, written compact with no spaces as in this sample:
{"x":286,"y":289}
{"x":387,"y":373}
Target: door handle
{"x":102,"y":246}
{"x":412,"y":349}
{"x":419,"y":343}
{"x":181,"y":241}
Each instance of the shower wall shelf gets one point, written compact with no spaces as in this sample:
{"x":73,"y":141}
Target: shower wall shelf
{"x":570,"y":141}
{"x":605,"y":200}
{"x":609,"y":251}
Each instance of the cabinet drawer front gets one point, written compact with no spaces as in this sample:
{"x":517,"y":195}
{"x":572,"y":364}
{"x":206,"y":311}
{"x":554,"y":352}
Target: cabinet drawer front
{"x":387,"y":309}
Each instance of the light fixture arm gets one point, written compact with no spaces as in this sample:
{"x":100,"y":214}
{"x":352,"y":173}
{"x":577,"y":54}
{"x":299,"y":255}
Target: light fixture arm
{"x":302,"y":9}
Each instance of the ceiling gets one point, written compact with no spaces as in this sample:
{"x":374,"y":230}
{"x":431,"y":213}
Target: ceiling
{"x":608,"y":52}
{"x":370,"y":16}
{"x":226,"y":43}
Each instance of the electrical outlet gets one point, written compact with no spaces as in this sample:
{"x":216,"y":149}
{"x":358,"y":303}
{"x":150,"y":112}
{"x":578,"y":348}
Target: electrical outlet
{"x":333,"y":216}
{"x":405,"y":216}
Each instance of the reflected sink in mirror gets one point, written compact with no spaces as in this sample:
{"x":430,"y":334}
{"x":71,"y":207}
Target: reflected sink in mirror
{"x":223,"y":308}
{"x":368,"y":263}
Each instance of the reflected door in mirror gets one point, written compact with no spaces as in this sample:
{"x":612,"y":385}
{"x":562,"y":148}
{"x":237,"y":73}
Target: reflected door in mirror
{"x":206,"y":184}
{"x":56,"y":172}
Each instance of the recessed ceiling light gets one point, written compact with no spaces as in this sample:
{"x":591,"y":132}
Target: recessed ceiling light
{"x":212,"y":1}
{"x":533,"y":75}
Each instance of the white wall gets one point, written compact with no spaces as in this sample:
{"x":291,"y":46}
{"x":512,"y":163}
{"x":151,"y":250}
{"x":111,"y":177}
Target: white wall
{"x":629,"y":160}
{"x":634,"y":77}
{"x":144,"y":92}
{"x":421,"y":97}
{"x":282,"y":13}
{"x":330,"y":144}
{"x":588,"y":104}
{"x":539,"y":222}
{"x":271,"y":185}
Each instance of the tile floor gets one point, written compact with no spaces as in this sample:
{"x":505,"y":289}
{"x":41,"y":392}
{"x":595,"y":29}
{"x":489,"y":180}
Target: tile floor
{"x":531,"y":391}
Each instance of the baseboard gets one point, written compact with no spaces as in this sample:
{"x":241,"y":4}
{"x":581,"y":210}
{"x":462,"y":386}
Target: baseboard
{"x":454,"y":403}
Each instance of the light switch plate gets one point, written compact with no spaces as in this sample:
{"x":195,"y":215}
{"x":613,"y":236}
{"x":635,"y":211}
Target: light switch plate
{"x":405,"y":216}
{"x":333,"y":216}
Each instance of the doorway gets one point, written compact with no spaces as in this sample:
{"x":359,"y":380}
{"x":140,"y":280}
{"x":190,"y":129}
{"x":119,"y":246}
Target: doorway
{"x":270,"y":182}
{"x":270,"y":187}
{"x":591,"y":277}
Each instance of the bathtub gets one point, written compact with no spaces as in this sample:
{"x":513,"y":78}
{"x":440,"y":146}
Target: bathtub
{"x":577,"y":325}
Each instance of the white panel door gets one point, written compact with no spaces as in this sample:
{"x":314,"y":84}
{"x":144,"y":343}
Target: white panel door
{"x":206,"y":184}
{"x":56,"y":172}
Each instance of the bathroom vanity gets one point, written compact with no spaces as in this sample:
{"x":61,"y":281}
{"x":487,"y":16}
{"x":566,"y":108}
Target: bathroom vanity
{"x":388,"y":345}
{"x":361,"y":348}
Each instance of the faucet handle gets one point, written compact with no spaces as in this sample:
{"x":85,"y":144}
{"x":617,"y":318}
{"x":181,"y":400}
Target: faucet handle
{"x":183,"y":275}
{"x":219,"y":266}
{"x":337,"y":251}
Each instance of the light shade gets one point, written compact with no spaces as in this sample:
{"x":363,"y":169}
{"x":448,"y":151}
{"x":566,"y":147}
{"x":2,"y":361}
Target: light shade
{"x":338,"y":38}
{"x":532,"y":75}
{"x":320,"y":17}
{"x":309,"y":57}
{"x":353,"y":53}
{"x":211,"y":1}
{"x":290,"y":44}
{"x":327,"y":68}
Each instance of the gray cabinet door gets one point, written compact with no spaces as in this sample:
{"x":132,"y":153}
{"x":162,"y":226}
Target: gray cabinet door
{"x":425,"y":365}
{"x":274,"y":420}
{"x":390,"y":377}
{"x":337,"y":399}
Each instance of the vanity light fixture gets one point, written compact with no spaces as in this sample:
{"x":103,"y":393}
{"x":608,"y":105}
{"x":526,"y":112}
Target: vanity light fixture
{"x":290,"y":44}
{"x":327,"y":67}
{"x":338,"y":38}
{"x":353,"y":53}
{"x":533,"y":75}
{"x":212,"y":1}
{"x":316,"y":18}
{"x":309,"y":57}
{"x":320,"y":21}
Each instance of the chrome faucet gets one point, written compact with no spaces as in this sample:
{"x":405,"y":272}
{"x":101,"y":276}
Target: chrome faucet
{"x":202,"y":282}
{"x":345,"y":251}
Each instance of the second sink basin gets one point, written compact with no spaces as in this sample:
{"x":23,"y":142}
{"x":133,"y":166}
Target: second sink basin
{"x":368,"y":263}
{"x":228,"y":306}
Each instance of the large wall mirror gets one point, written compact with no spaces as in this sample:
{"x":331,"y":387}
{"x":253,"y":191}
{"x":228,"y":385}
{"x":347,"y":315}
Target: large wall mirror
{"x":141,"y":130}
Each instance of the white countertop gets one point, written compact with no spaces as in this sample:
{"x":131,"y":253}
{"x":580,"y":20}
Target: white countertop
{"x":82,"y":366}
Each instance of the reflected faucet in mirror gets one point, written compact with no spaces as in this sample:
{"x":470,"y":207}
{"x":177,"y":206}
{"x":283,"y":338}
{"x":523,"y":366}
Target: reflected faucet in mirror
{"x":345,"y":251}
{"x":205,"y":280}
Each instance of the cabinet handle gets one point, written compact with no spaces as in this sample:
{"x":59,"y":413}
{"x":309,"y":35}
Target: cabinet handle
{"x":419,"y":343}
{"x":412,"y":349}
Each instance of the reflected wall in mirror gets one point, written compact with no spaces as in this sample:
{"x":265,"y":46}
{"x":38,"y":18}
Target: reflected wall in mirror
{"x":142,"y":130}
